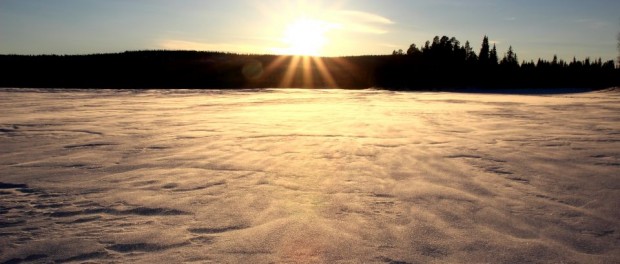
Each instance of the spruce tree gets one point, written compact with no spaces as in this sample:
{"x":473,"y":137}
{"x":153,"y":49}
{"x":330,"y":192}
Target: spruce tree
{"x":470,"y":55}
{"x":493,"y":56}
{"x":483,"y":56}
{"x":510,"y":58}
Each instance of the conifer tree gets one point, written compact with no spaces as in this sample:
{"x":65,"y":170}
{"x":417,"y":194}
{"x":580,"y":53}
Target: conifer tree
{"x":398,"y":52}
{"x":493,"y":56}
{"x":413,"y":50}
{"x":483,"y":56}
{"x":470,"y":55}
{"x":510,"y":58}
{"x":427,"y":47}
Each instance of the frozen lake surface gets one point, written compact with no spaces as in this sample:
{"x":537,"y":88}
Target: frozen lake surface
{"x":309,"y":176}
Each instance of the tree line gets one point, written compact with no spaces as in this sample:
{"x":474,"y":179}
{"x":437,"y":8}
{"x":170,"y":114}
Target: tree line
{"x":444,"y":62}
{"x":441,"y":63}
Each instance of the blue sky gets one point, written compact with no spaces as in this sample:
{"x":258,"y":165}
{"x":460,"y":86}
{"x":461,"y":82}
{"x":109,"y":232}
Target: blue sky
{"x":350,"y":27}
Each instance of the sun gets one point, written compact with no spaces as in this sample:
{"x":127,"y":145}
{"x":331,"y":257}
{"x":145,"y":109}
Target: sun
{"x":306,"y":37}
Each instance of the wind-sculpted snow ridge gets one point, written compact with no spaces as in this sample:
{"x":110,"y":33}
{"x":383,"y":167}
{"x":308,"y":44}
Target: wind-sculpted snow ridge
{"x":309,"y":176}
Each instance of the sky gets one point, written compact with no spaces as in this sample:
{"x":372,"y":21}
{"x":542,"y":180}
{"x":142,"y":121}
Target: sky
{"x":534,"y":28}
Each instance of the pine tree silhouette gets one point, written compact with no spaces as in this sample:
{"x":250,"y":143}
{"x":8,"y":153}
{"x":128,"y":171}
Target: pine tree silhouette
{"x":493,"y":59}
{"x":510,"y":58}
{"x":483,"y":56}
{"x":413,"y":50}
{"x":470,"y":55}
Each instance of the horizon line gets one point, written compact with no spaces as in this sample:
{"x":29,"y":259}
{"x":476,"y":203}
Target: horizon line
{"x":261,"y":54}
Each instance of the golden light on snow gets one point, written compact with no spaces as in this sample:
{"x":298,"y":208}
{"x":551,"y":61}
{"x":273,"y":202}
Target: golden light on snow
{"x":308,"y":176}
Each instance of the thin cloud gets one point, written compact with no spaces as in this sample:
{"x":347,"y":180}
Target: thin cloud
{"x":365,"y":17}
{"x":361,"y":22}
{"x":366,"y":29}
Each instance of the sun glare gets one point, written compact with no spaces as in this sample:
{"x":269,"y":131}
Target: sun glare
{"x":304,"y":30}
{"x":306,"y":37}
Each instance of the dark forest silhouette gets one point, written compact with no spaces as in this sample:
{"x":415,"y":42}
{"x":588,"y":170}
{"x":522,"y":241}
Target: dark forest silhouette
{"x":441,"y":63}
{"x":444,"y":62}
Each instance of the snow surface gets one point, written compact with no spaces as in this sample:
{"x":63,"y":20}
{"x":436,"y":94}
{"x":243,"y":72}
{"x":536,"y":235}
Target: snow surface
{"x":296,"y":176}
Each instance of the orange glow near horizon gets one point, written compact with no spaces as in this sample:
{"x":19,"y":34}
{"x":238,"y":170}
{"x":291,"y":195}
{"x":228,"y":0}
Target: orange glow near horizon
{"x":303,"y":31}
{"x":290,"y":72}
{"x":304,"y":69}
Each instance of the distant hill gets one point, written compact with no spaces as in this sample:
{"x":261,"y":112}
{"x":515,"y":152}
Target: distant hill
{"x":186,"y":69}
